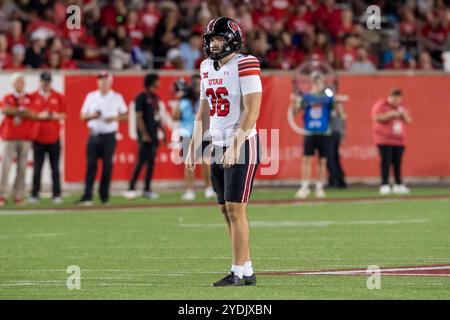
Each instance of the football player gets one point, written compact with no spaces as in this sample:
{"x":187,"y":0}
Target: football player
{"x":230,"y":99}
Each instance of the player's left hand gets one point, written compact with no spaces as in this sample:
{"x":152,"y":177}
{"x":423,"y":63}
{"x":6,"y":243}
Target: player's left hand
{"x":230,"y":157}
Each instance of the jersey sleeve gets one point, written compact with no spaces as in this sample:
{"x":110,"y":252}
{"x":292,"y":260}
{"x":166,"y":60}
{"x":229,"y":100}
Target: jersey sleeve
{"x":249,"y":75}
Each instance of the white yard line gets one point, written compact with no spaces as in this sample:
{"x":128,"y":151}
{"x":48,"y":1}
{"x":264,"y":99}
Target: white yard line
{"x":364,"y":271}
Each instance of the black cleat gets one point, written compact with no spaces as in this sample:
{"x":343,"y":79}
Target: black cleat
{"x":230,"y":280}
{"x":250,"y":280}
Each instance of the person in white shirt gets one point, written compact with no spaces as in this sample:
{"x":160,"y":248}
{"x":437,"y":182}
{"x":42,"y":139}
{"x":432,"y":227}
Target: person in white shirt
{"x":102,"y":110}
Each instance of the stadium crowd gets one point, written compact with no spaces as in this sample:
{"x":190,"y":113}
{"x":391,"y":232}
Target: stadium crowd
{"x":140,"y":34}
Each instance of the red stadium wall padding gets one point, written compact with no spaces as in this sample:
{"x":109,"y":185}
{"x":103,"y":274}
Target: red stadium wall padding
{"x":426,"y":96}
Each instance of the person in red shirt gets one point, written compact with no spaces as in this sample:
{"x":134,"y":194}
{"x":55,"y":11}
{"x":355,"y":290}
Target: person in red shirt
{"x":17,"y":58}
{"x":5,"y":57}
{"x":66,"y":59}
{"x":328,"y":18}
{"x":301,"y":20}
{"x":16,"y":131}
{"x":150,"y":17}
{"x":134,"y":28}
{"x":389,"y":134}
{"x":345,"y":54}
{"x":50,"y":109}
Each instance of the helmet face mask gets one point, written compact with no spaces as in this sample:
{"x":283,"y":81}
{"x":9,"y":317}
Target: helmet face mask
{"x":229,"y":30}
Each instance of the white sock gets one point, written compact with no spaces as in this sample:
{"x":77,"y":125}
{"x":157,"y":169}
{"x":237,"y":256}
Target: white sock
{"x":319,"y":185}
{"x":248,"y":269}
{"x":305,"y":184}
{"x":238,"y":270}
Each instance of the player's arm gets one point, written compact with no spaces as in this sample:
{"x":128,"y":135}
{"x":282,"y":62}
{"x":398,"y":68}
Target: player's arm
{"x":251,"y":88}
{"x":201,"y":124}
{"x":252,"y":106}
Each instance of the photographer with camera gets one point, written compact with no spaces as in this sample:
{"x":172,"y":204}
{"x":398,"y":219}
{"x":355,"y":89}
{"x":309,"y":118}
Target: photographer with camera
{"x":185,"y":112}
{"x":102,"y":109}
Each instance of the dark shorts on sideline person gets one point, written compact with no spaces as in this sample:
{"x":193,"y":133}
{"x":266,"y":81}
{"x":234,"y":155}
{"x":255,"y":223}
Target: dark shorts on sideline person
{"x":235,"y":184}
{"x":316,"y":142}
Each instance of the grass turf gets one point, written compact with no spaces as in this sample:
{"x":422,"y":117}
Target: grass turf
{"x":176,"y":253}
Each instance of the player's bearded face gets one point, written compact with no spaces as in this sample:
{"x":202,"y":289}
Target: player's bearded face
{"x":216,"y":44}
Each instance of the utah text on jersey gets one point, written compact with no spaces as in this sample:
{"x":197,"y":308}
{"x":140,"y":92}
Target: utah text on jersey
{"x":224,"y":89}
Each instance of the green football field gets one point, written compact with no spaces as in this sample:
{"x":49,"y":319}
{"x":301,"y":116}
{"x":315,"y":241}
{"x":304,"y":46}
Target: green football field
{"x":177,"y":252}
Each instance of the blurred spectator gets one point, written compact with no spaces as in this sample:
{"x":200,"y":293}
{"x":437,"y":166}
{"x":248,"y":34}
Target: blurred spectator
{"x":362,"y":64}
{"x":66,"y":59}
{"x":173,"y":60}
{"x":346,"y":23}
{"x":408,"y":24}
{"x":113,"y":14}
{"x":134,"y":28}
{"x":345,"y":54}
{"x":54,"y":60}
{"x":285,"y":55}
{"x":264,"y":18}
{"x":34,"y":56}
{"x":400,"y":60}
{"x":328,"y":18}
{"x":425,"y":62}
{"x":120,"y":57}
{"x":4,"y":54}
{"x":328,"y":28}
{"x":17,"y":58}
{"x":149,"y":17}
{"x":15,"y":35}
{"x":300,"y":20}
{"x":166,"y":34}
{"x":435,"y":31}
{"x":191,"y":51}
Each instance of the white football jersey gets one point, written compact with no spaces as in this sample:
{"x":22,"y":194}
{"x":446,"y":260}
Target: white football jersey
{"x":223,"y":89}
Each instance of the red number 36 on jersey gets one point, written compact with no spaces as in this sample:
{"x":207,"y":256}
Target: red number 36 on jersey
{"x":219,"y":104}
